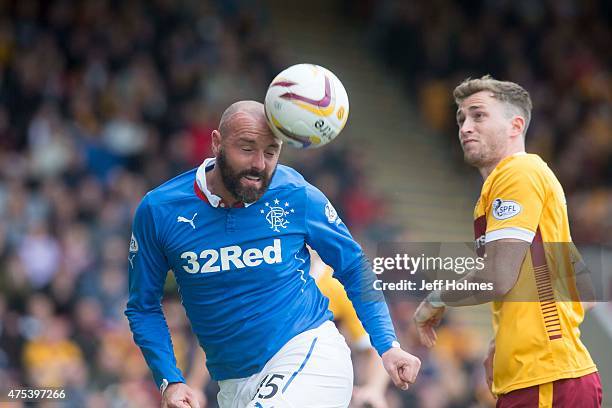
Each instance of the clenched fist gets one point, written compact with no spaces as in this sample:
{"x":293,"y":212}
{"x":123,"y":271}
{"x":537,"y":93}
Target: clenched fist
{"x":179,"y":395}
{"x":402,"y":367}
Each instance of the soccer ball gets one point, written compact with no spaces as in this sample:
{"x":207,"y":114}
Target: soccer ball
{"x":306,"y":106}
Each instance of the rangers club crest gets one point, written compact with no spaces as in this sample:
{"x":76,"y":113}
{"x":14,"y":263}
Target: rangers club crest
{"x":277,"y":213}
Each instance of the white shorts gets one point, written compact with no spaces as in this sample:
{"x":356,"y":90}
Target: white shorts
{"x":312,"y":370}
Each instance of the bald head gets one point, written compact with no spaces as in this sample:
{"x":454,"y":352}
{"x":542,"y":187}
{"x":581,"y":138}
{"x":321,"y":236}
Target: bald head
{"x":242,"y":113}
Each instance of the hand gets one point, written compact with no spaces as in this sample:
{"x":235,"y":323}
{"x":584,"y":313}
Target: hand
{"x":402,"y":367}
{"x":488,"y":365}
{"x":364,"y":396}
{"x":426,"y":317}
{"x":180,"y":395}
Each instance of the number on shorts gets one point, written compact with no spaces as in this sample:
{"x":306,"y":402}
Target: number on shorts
{"x":268,"y":382}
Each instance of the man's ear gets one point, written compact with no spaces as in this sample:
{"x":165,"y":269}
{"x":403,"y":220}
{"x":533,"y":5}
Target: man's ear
{"x":517,"y":126}
{"x":216,"y":142}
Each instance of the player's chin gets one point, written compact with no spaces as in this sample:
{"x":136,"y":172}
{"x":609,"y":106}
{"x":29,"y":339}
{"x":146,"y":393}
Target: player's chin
{"x":251,"y":194}
{"x":471,"y":157}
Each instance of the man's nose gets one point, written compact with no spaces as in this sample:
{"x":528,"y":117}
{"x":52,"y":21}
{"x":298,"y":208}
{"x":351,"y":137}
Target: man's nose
{"x":467,"y":127}
{"x":258,"y":162}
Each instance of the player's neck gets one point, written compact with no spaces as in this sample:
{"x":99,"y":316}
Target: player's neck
{"x":485,"y":171}
{"x":215,"y":185}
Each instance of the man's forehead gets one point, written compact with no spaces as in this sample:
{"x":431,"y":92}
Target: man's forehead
{"x":240,"y":122}
{"x":257,"y":138}
{"x":239,"y":118}
{"x":253,"y":133}
{"x":243,"y":115}
{"x":477,"y":100}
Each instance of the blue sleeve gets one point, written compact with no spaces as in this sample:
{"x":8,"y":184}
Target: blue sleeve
{"x":147,"y":274}
{"x":327,"y":234}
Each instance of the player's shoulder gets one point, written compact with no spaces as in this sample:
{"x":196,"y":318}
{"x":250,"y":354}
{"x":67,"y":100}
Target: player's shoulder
{"x":523,"y":162}
{"x":178,"y":188}
{"x":523,"y":166}
{"x":287,"y":178}
{"x":290,"y":181}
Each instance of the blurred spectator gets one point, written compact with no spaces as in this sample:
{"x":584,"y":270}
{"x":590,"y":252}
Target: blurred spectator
{"x":50,"y":358}
{"x":40,"y":254}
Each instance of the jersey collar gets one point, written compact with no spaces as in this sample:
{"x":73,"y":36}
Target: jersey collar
{"x":202,"y":191}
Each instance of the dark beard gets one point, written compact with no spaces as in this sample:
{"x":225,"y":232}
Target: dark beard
{"x":231,"y":180}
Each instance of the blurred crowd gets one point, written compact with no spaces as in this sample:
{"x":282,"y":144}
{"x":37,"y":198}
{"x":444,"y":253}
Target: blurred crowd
{"x":558,"y":50}
{"x":100,"y":101}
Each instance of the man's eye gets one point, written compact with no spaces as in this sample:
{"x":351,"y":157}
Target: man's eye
{"x":247,"y":149}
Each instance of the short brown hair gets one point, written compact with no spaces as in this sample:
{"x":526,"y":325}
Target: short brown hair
{"x":504,"y":91}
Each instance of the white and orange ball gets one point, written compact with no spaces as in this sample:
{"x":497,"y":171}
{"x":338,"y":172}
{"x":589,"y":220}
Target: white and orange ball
{"x":306,"y":106}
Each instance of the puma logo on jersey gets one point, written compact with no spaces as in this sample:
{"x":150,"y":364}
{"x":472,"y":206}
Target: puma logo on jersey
{"x":180,"y":218}
{"x":131,"y":259}
{"x":233,"y":255}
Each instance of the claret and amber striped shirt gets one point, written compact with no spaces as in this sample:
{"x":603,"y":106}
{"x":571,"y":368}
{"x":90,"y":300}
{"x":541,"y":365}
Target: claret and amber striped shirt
{"x":537,"y":339}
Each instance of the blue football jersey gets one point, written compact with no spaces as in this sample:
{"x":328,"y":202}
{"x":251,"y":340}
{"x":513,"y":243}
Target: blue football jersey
{"x":243,"y":273}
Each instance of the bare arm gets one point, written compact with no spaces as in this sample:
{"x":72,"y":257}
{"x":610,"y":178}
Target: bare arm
{"x":488,"y":364}
{"x":502,"y":266}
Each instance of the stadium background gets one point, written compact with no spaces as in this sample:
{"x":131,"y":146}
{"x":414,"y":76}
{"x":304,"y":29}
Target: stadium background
{"x":102,"y":100}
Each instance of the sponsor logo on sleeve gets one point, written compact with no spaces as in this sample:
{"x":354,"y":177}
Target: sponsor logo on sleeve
{"x":133,"y":244}
{"x":504,"y":209}
{"x":332,"y":214}
{"x":133,"y":250}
